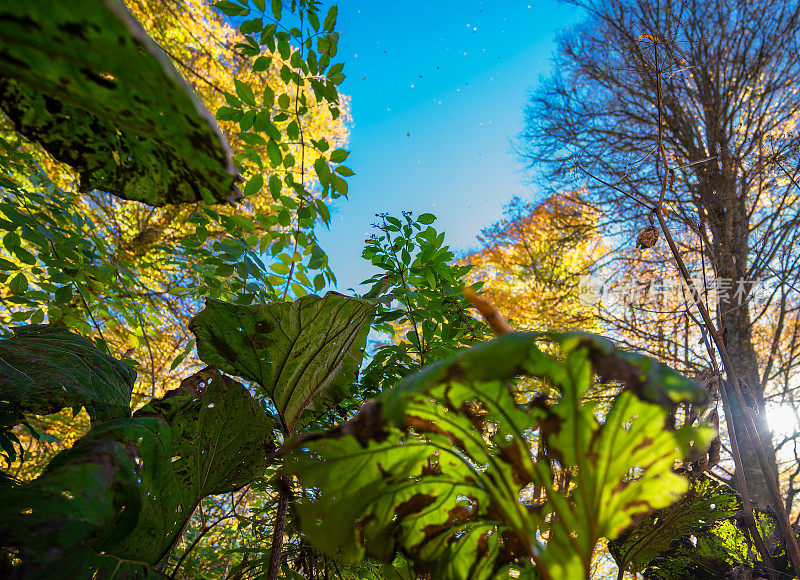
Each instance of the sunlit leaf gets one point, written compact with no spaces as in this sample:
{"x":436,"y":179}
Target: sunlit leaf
{"x":700,"y":536}
{"x":82,"y":78}
{"x":436,"y":467}
{"x":305,"y":354}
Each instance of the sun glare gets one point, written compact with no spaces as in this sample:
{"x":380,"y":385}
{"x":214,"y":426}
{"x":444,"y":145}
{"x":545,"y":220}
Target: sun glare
{"x":783,"y":420}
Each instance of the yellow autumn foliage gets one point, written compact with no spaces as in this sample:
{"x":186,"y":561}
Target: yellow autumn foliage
{"x":152,"y":331}
{"x":532,"y":262}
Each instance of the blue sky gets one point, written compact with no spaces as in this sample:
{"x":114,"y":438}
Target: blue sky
{"x":437,"y":94}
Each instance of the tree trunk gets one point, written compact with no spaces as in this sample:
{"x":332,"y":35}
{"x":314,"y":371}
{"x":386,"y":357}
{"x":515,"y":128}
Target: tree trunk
{"x":728,"y":222}
{"x":278,"y":529}
{"x":743,"y":356}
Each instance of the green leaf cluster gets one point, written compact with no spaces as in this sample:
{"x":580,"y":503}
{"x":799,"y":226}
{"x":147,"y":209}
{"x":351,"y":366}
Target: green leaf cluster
{"x":119,"y":498}
{"x":701,"y":536}
{"x":61,"y":266}
{"x":421,"y":308}
{"x":301,"y":174}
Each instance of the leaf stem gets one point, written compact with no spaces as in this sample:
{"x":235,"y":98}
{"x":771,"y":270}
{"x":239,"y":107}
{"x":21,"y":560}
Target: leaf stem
{"x":278,"y":529}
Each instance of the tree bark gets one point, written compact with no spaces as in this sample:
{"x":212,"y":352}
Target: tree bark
{"x":729,"y":225}
{"x":714,"y":83}
{"x":743,"y":356}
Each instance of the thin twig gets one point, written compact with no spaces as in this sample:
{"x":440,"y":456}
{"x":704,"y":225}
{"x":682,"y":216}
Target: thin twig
{"x":614,"y":187}
{"x":494,"y":318}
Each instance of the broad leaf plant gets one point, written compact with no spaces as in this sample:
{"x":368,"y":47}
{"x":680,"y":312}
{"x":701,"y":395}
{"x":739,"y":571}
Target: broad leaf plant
{"x":443,"y":468}
{"x":446,"y":473}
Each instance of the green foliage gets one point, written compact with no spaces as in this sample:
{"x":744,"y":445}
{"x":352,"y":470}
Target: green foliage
{"x":85,"y":502}
{"x":706,"y":501}
{"x":273,"y":128}
{"x":221,"y":440}
{"x":398,"y":569}
{"x":421,"y":307}
{"x":52,"y":245}
{"x":84,"y":80}
{"x":126,"y":489}
{"x":61,"y":265}
{"x":701,"y":536}
{"x":448,"y":468}
{"x":435,"y":468}
{"x":304,"y":354}
{"x":45,"y":368}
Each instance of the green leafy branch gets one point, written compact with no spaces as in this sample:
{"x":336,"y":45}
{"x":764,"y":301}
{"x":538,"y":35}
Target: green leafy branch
{"x":272,"y":129}
{"x":420,"y":303}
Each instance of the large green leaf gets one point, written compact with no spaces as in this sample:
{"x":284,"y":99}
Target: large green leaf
{"x":46,"y":368}
{"x":436,"y":467}
{"x":220,"y":441}
{"x":706,"y":502}
{"x":305,"y":354}
{"x":702,"y":536}
{"x":127,"y":488}
{"x":82,"y":78}
{"x":85,"y":502}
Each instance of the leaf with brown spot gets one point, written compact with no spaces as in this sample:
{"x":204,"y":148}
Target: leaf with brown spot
{"x":83,"y":79}
{"x":698,"y":536}
{"x":477,"y":527}
{"x":304,"y":354}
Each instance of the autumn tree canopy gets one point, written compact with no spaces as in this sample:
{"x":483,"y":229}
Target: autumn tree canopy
{"x":533,"y":261}
{"x":130,"y":275}
{"x":211,"y":54}
{"x":729,"y":73}
{"x":464,"y":450}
